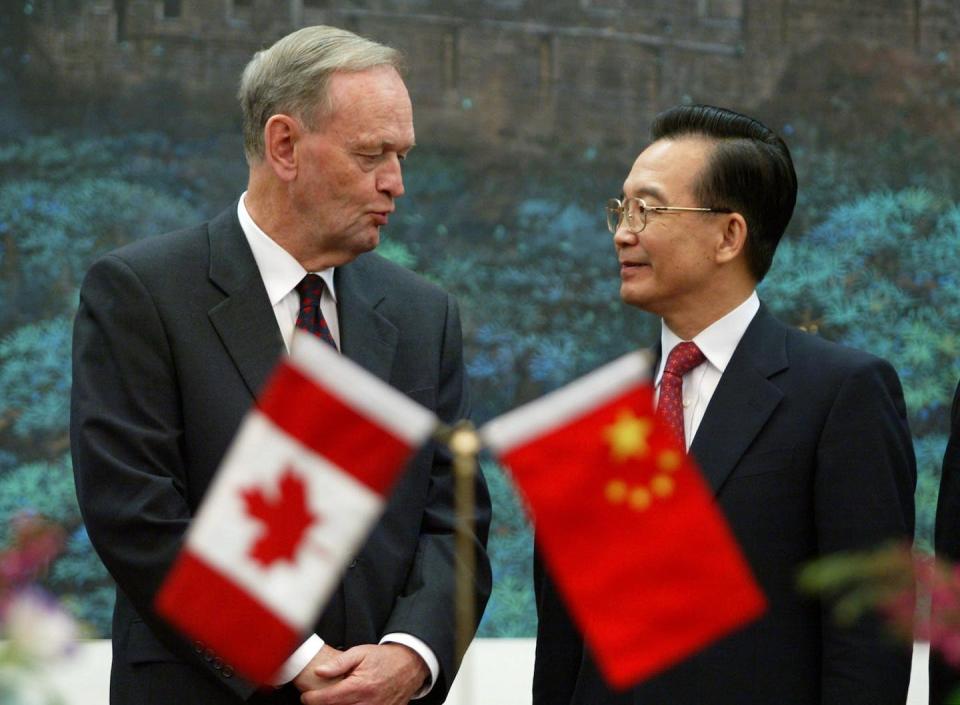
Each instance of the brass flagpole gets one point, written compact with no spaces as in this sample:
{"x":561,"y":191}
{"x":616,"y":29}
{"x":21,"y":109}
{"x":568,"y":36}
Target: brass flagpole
{"x":464,"y":442}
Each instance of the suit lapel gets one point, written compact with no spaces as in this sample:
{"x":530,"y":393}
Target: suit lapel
{"x":366,"y":337}
{"x":743,"y":401}
{"x":244,"y":320}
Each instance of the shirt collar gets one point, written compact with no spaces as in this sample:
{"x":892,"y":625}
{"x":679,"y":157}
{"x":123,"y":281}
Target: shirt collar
{"x":279,"y":269}
{"x":718,"y":341}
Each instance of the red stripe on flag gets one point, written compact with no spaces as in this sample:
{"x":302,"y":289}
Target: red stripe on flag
{"x":323,"y":422}
{"x":240,"y":630}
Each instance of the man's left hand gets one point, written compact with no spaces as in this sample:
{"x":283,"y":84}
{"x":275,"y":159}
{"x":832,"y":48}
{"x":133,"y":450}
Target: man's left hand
{"x":385,"y":674}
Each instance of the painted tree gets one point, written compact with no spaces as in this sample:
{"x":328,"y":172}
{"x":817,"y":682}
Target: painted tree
{"x":879,"y":274}
{"x":62,"y":203}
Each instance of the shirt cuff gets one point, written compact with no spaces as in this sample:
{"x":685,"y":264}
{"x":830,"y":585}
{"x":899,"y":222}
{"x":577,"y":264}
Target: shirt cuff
{"x":298,"y":660}
{"x":423,"y":651}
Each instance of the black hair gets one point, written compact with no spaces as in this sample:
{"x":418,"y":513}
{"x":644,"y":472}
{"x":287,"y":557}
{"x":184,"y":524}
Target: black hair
{"x":750,"y":172}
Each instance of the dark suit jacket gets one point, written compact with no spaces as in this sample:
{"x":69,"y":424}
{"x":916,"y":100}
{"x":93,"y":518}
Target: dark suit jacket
{"x":806,"y":445}
{"x":944,"y":679}
{"x":173,"y":338}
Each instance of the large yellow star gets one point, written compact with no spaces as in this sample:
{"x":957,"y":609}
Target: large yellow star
{"x":628,"y":436}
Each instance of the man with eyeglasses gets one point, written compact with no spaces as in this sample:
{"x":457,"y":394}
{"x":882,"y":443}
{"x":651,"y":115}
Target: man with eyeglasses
{"x":805,"y":443}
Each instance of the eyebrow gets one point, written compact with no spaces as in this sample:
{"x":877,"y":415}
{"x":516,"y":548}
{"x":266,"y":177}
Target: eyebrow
{"x":371,"y":141}
{"x":396,"y":147}
{"x":647,"y":191}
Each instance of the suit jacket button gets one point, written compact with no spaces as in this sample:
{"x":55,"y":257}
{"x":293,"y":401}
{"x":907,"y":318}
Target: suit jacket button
{"x":227,"y":671}
{"x":218,"y":663}
{"x":198,"y":647}
{"x":208,"y":655}
{"x":353,"y":563}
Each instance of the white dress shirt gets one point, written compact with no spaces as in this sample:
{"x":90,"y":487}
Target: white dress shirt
{"x":281,"y":273}
{"x":718,"y":341}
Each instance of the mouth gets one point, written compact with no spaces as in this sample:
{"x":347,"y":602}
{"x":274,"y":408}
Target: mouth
{"x":381,"y":218}
{"x":627,"y":266}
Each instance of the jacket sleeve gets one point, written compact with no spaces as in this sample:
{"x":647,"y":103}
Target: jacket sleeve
{"x":560,"y":647}
{"x":944,"y":678}
{"x":865,"y":480}
{"x":126,"y":436}
{"x":426,"y":605}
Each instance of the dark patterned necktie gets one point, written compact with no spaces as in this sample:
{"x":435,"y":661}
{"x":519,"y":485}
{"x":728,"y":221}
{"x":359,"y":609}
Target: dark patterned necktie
{"x":683,"y":358}
{"x":310,"y":318}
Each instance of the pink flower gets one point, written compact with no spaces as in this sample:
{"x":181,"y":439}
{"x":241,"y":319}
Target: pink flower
{"x":36,"y":542}
{"x":949,"y":646}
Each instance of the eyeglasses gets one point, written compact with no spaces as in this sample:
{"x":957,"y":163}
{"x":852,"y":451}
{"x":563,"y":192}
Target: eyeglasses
{"x":634,"y":211}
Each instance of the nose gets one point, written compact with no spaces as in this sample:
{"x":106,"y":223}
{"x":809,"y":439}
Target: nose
{"x":624,"y":238}
{"x":390,"y":177}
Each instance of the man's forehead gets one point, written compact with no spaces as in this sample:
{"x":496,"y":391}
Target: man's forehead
{"x":369,"y":109}
{"x":376,"y":84}
{"x":668,"y":165}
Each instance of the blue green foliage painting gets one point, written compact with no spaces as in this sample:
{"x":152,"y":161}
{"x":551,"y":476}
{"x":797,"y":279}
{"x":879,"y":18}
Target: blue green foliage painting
{"x":118,"y":123}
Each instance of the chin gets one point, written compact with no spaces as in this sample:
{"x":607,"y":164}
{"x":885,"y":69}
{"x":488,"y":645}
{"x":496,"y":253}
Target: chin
{"x":367,"y":243}
{"x":641,"y":300}
{"x":630,"y":296}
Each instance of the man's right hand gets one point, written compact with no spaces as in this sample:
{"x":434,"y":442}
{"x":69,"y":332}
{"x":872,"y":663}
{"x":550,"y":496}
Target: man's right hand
{"x":307,"y":679}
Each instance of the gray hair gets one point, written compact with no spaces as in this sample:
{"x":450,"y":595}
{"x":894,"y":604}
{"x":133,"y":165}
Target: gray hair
{"x":291,"y":77}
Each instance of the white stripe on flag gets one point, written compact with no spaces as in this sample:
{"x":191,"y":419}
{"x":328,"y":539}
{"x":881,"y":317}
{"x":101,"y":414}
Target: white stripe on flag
{"x":567,"y":403}
{"x":360,"y":389}
{"x":259,"y":457}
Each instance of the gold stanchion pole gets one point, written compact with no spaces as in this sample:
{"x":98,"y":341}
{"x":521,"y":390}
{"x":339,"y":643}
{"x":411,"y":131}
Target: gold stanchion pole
{"x":465,"y":444}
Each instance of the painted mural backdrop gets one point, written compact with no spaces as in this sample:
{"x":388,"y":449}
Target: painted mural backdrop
{"x":507,"y":218}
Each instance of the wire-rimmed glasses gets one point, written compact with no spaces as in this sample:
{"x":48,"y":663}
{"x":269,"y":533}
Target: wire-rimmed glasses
{"x":633,"y":212}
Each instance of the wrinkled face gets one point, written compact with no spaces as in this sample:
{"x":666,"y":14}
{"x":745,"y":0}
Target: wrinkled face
{"x":669,"y":266}
{"x":348,"y":174}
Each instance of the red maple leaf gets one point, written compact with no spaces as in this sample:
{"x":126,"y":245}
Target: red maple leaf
{"x":286,"y":519}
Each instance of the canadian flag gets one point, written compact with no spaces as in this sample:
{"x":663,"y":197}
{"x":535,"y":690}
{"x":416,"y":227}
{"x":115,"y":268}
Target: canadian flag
{"x":297,"y":492}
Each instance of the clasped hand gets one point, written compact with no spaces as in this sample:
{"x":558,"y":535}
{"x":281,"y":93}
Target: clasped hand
{"x":384,"y":674}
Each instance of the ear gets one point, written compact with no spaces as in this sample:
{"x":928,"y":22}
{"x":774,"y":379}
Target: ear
{"x":733,"y":238}
{"x":280,"y":137}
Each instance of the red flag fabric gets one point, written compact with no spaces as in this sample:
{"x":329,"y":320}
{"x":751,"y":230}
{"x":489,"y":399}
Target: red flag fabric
{"x":628,"y":526}
{"x":297,"y":492}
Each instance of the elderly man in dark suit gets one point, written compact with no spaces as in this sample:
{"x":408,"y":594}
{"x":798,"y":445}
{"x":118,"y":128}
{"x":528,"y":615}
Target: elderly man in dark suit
{"x":804,"y":442}
{"x":176,"y":334}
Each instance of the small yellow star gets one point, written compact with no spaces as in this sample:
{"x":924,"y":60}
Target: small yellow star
{"x":662,"y":485}
{"x":669,"y":460}
{"x":616,"y":491}
{"x":640,"y":498}
{"x":628,"y":436}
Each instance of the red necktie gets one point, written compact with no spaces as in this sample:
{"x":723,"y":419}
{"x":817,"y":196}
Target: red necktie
{"x":683,"y":358}
{"x":311,"y":317}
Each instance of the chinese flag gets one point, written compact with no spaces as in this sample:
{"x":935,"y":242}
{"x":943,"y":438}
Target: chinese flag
{"x":296,"y":494}
{"x":627,"y":525}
